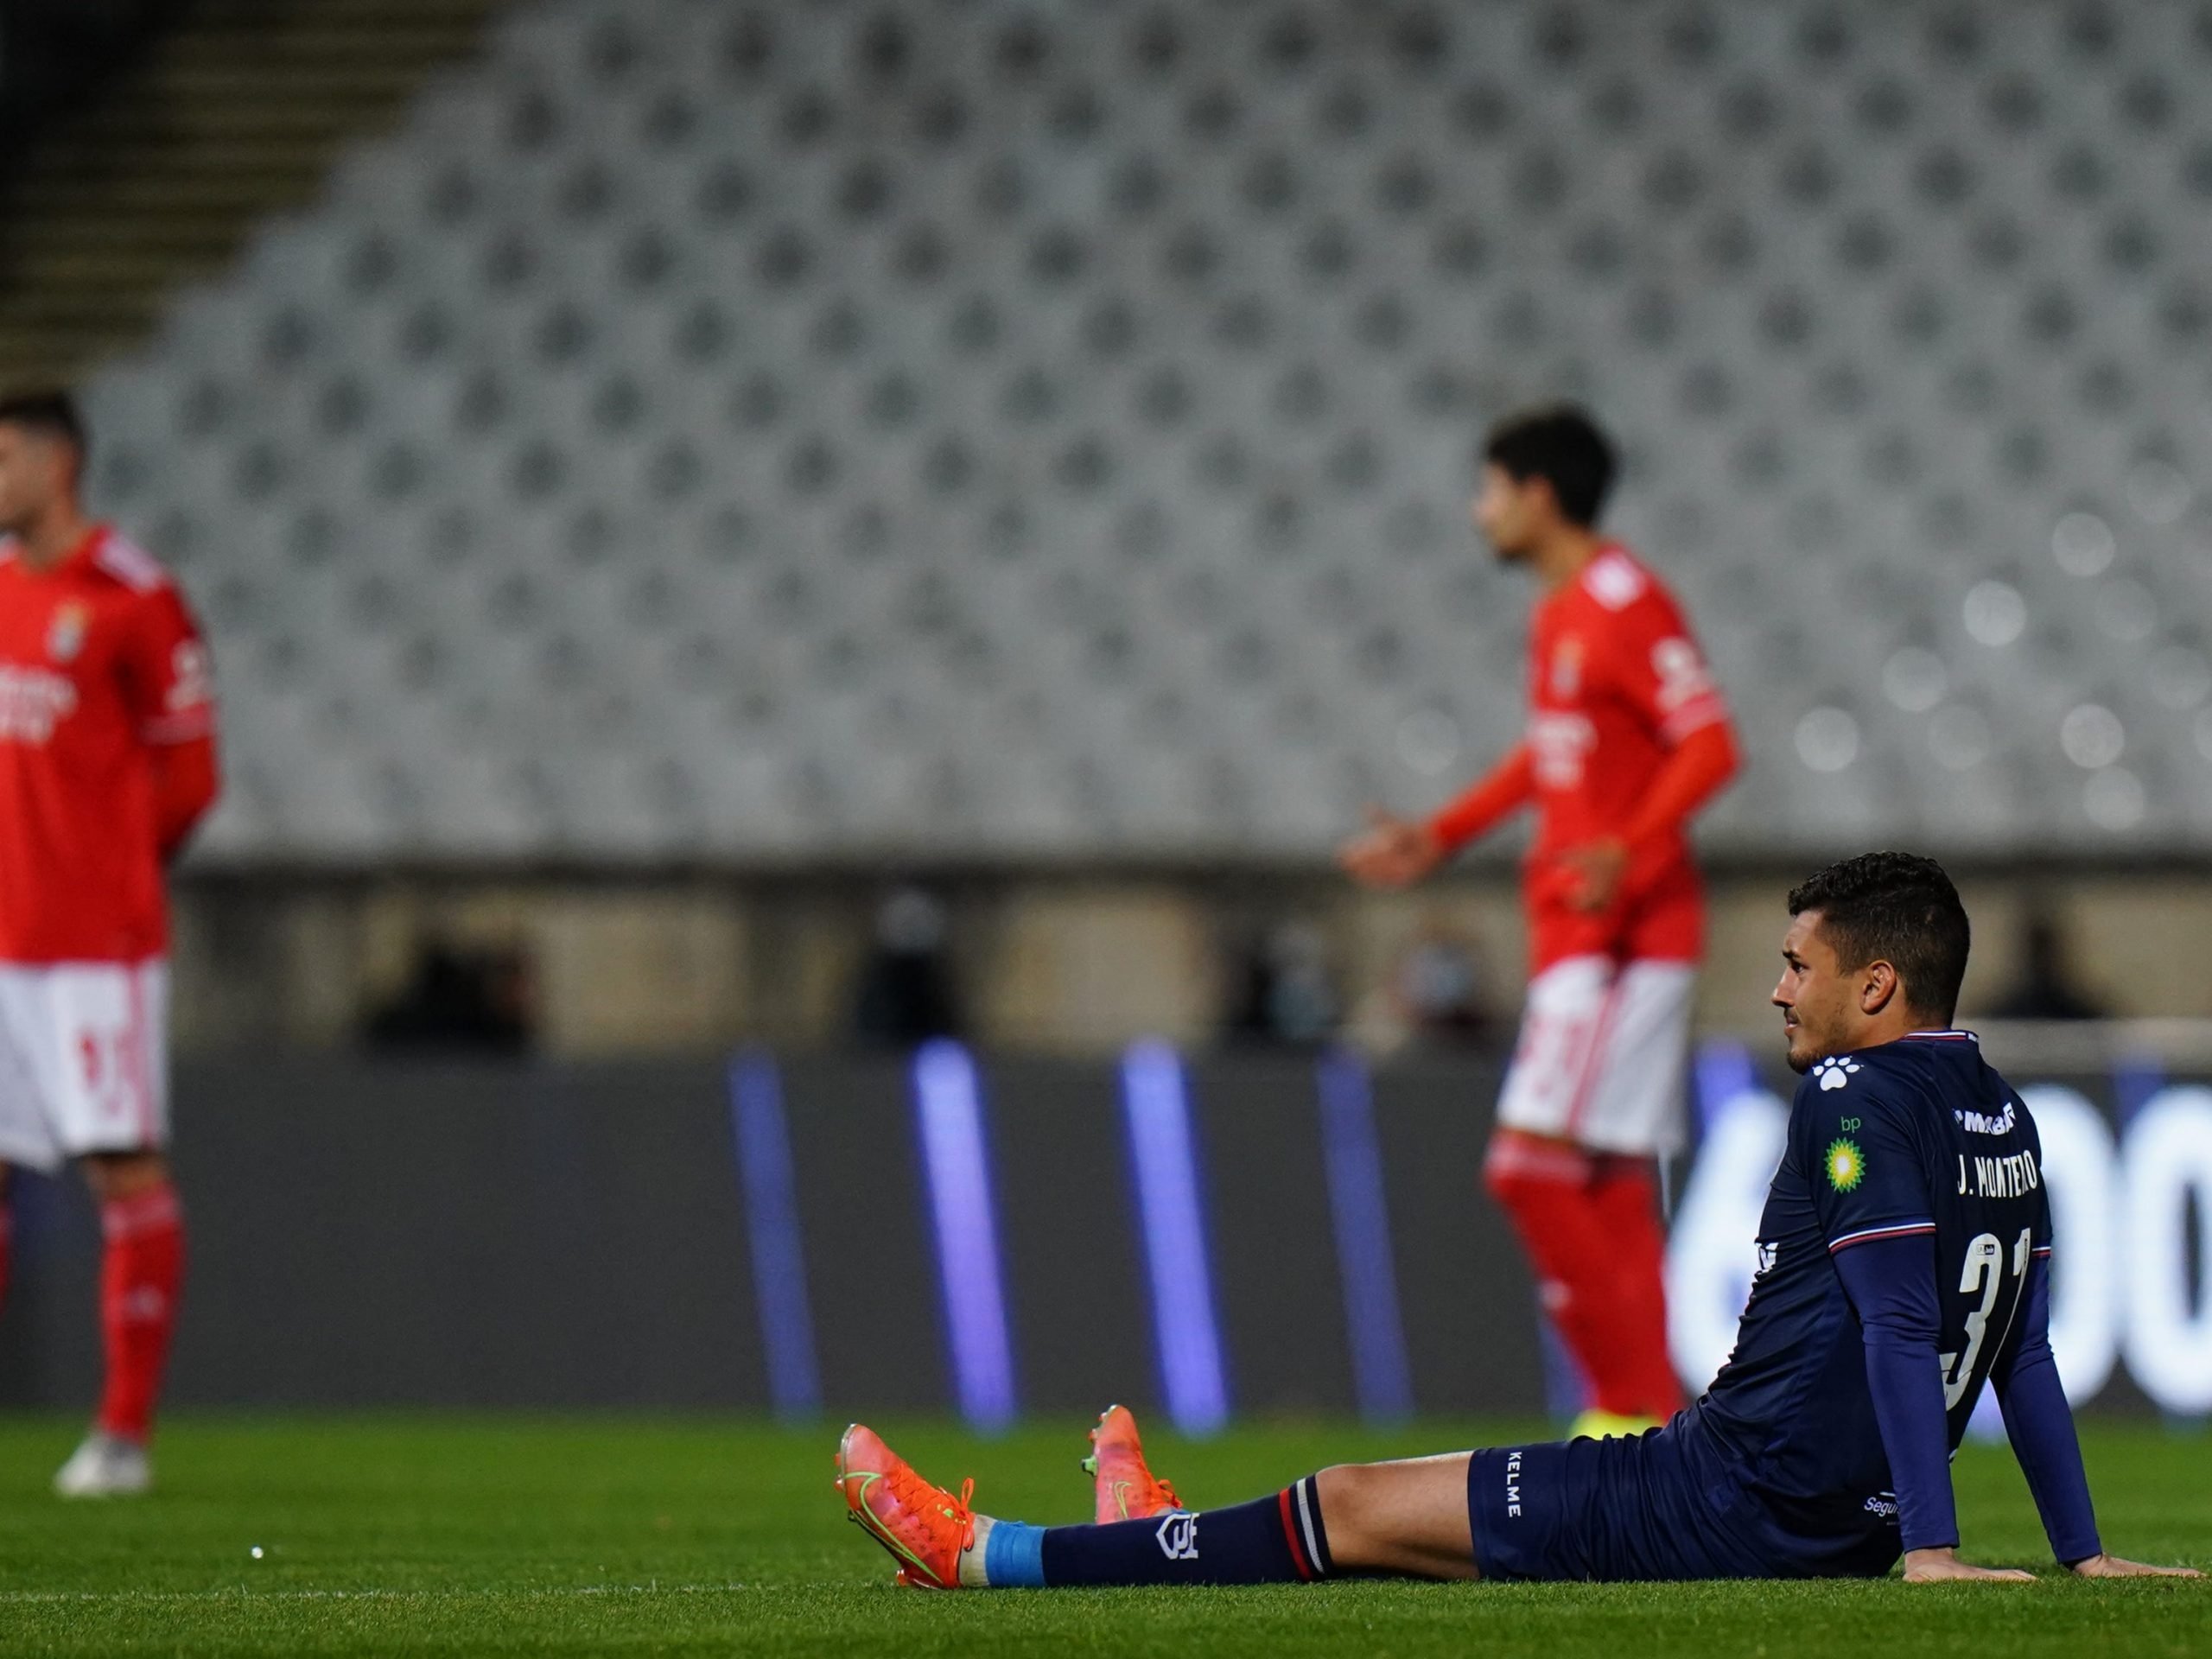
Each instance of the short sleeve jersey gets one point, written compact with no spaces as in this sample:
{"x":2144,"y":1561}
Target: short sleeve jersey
{"x":1919,"y":1137}
{"x":101,"y":663}
{"x":1615,"y":682}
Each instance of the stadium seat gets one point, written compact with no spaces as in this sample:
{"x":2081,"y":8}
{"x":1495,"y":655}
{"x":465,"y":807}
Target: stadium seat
{"x":728,"y":431}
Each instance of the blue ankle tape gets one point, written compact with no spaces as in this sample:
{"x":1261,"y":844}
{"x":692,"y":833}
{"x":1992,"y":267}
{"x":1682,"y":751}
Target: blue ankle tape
{"x":1013,"y":1556}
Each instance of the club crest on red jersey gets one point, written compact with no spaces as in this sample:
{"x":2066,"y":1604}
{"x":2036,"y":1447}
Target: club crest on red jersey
{"x":65,"y":636}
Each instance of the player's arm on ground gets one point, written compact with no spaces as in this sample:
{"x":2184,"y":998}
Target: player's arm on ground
{"x":2040,"y":1424}
{"x":1869,"y":1190}
{"x":168,"y":686}
{"x":1891,"y":1282}
{"x":1394,"y":852}
{"x":1659,"y":671}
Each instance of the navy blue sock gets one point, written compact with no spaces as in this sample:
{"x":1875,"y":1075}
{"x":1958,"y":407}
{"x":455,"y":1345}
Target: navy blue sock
{"x":1277,"y":1540}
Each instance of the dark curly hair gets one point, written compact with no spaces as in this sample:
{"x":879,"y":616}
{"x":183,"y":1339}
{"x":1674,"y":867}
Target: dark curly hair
{"x":1898,"y":908}
{"x":1563,"y":446}
{"x":50,"y":414}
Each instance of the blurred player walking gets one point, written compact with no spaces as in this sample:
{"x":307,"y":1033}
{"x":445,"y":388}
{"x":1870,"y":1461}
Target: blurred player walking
{"x":107,"y":760}
{"x":1627,"y":737}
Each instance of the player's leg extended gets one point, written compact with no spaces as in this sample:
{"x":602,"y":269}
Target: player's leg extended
{"x":1123,"y":1487}
{"x":1410,"y":1518}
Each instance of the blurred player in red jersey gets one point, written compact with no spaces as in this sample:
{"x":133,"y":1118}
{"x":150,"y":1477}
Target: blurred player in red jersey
{"x":107,"y":760}
{"x":1627,"y":736}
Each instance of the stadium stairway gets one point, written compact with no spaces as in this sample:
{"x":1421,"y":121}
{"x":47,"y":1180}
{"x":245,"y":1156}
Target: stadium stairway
{"x":235,"y":113}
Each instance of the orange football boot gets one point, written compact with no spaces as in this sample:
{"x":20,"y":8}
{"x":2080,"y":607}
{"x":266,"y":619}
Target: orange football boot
{"x":924,"y":1527}
{"x":1126,"y":1489}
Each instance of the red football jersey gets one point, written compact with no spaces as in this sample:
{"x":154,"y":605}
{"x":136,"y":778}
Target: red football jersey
{"x":99,"y":662}
{"x":1614,"y":681}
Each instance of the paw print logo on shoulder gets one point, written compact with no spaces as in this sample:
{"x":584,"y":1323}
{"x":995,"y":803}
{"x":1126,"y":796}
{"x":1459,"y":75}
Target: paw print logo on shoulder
{"x":1836,"y":1072}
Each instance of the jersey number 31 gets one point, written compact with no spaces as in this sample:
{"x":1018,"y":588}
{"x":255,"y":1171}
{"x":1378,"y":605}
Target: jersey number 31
{"x":1984,"y":1272}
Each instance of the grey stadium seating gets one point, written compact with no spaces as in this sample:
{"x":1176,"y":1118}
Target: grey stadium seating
{"x":968,"y":428}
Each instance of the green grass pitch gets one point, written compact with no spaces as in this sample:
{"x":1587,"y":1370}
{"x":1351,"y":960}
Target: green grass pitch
{"x":496,"y":1536}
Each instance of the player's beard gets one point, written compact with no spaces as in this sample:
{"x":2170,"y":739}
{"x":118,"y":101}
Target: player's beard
{"x":1799,"y":1050}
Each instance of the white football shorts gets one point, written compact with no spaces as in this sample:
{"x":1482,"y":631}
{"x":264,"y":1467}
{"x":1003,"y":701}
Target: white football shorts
{"x":1600,"y":1058}
{"x":84,"y":1059}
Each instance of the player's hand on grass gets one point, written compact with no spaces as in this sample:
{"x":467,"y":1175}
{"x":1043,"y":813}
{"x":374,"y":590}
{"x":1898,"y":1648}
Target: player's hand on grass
{"x":1598,"y":866}
{"x":1943,"y":1566}
{"x":1391,"y":852}
{"x":2111,"y":1566}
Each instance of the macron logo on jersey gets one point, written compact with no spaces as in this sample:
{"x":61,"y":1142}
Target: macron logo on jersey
{"x":1836,"y":1073}
{"x":1983,"y":1123}
{"x":33,"y":702}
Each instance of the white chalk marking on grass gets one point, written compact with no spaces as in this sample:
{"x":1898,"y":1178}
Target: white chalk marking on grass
{"x":8,"y":1598}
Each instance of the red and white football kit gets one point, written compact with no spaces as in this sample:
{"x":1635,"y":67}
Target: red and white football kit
{"x":100,"y":662}
{"x":1627,"y":734}
{"x":1615,"y":685}
{"x":107,"y":722}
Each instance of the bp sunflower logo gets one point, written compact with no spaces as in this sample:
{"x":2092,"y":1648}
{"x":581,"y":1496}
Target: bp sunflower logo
{"x":1847,"y":1164}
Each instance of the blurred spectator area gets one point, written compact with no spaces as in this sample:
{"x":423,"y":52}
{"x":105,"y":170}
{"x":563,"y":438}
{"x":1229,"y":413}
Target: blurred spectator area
{"x":1439,"y":994}
{"x":1282,"y":986}
{"x":907,"y":990}
{"x":459,"y":1001}
{"x":143,"y":142}
{"x":699,"y":458}
{"x":2048,"y":982}
{"x":1019,"y":432}
{"x":1073,"y":963}
{"x":54,"y":52}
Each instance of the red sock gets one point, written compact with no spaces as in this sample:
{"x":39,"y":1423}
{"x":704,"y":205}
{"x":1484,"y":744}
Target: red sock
{"x":141,"y":1270}
{"x":1626,"y":1200}
{"x":1544,"y":1187}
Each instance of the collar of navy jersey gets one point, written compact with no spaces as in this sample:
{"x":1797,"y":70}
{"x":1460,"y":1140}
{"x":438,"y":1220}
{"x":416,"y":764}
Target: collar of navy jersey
{"x":1915,"y":1036}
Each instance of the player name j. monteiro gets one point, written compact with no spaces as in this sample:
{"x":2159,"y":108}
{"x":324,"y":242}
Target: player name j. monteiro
{"x":2000,"y":1178}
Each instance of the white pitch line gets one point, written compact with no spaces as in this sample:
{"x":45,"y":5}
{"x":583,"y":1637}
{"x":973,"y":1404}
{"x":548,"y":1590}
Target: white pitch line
{"x":18,"y":1597}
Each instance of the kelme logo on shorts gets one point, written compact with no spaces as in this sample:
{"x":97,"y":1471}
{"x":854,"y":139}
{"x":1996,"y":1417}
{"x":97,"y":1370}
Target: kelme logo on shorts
{"x":1847,"y":1164}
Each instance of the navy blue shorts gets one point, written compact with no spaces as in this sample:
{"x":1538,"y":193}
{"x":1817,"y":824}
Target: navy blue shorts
{"x":1644,"y":1507}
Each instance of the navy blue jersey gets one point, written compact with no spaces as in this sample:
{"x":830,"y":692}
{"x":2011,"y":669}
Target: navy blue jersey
{"x":1917,"y":1137}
